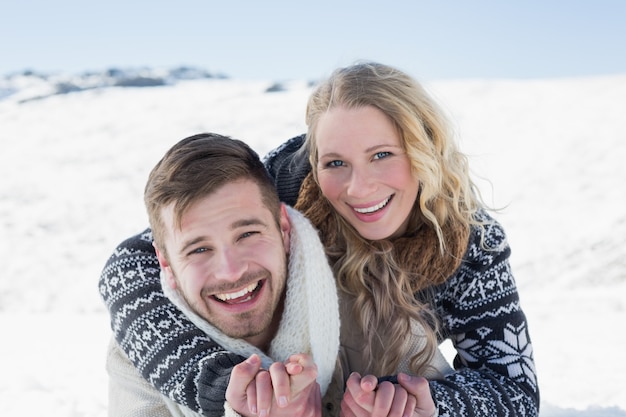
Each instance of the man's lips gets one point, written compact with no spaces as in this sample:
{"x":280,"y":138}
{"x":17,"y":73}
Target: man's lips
{"x":240,"y":296}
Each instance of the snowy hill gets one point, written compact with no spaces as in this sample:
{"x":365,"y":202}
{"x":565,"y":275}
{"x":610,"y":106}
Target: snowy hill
{"x":76,"y":151}
{"x":31,"y":85}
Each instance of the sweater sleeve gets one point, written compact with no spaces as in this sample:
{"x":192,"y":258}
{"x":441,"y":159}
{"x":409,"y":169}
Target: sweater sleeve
{"x":481,"y":313}
{"x":169,"y":351}
{"x":288,"y":165}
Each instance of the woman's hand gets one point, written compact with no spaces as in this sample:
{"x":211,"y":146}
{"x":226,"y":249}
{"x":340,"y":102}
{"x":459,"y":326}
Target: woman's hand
{"x":365,"y":397}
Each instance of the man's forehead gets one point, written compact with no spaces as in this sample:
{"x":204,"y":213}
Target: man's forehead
{"x":235,"y":204}
{"x":238,"y":194}
{"x":221,"y":219}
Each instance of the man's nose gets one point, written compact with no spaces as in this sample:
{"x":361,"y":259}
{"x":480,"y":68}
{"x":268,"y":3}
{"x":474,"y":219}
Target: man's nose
{"x":229,"y":265}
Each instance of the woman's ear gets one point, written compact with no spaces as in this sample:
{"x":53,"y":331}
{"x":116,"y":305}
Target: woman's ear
{"x":165,"y":267}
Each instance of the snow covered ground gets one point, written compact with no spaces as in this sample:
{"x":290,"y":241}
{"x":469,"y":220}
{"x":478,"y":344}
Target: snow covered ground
{"x":73,"y":167}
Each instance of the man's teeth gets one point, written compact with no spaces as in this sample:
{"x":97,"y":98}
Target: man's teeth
{"x":238,"y":294}
{"x":373,"y":208}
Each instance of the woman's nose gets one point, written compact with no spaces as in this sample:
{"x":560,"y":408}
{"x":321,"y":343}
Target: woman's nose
{"x":361,"y":184}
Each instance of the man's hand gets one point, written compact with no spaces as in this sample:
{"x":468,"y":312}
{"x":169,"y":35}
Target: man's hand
{"x":365,"y":397}
{"x":288,"y":389}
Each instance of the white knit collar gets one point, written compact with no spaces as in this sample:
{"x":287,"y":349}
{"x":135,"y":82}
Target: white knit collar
{"x":310,"y":322}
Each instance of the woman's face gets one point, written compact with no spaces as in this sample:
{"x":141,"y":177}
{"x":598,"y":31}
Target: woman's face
{"x":364,"y":172}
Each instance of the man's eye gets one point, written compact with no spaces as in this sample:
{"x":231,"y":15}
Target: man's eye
{"x":248,"y":234}
{"x":198,"y":250}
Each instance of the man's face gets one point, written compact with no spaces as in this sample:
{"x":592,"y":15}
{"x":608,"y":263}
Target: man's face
{"x":228,"y":260}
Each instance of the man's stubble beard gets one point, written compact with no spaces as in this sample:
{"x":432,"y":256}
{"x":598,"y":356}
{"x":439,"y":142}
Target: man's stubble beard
{"x":248,"y":323}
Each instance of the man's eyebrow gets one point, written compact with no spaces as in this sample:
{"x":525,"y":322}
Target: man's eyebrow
{"x":253,"y":221}
{"x":189,"y":243}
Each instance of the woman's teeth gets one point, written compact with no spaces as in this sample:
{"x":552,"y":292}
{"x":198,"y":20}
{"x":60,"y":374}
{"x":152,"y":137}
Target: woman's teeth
{"x":373,"y":208}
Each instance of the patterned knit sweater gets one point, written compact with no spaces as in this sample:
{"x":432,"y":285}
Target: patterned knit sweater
{"x":478,"y":307}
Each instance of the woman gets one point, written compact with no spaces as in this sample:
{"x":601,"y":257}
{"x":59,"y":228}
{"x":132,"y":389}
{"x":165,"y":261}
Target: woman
{"x":416,"y":257}
{"x":409,"y":240}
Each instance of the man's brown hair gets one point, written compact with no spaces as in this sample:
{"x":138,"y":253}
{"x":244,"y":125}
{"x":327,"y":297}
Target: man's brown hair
{"x":196,"y":167}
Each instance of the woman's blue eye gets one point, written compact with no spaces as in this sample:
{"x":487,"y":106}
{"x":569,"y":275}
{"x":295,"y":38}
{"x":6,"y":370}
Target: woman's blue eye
{"x":335,"y":163}
{"x":381,"y":155}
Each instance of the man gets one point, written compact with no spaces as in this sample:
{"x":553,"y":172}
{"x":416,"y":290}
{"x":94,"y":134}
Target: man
{"x":248,"y":271}
{"x":253,"y":276}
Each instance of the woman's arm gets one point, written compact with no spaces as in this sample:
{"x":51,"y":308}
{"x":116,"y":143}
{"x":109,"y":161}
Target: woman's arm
{"x":169,"y":351}
{"x":495,"y":370}
{"x":288,"y":166}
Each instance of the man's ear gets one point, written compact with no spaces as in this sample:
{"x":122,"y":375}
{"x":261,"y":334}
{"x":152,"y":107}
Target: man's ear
{"x":165,"y":266}
{"x":285,"y":226}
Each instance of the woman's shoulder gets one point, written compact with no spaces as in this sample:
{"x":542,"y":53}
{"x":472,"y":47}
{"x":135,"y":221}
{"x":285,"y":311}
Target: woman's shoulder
{"x":483,"y":286}
{"x":487,"y":253}
{"x":487,"y":249}
{"x":487,"y":234}
{"x":288,"y":165}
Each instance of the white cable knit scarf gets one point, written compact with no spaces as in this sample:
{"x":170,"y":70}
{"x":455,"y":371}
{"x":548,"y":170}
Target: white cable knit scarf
{"x":310,"y":322}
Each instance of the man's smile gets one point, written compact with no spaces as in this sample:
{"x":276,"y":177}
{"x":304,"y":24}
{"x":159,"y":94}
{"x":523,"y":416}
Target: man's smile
{"x":240,"y":296}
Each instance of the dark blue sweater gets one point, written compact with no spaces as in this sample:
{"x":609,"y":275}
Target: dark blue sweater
{"x":478,"y":307}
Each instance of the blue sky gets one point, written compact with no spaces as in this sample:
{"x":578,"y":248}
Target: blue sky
{"x":284,"y":40}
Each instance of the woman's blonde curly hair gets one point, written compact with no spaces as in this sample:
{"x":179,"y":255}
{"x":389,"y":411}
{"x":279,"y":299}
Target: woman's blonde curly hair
{"x":382,"y":287}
